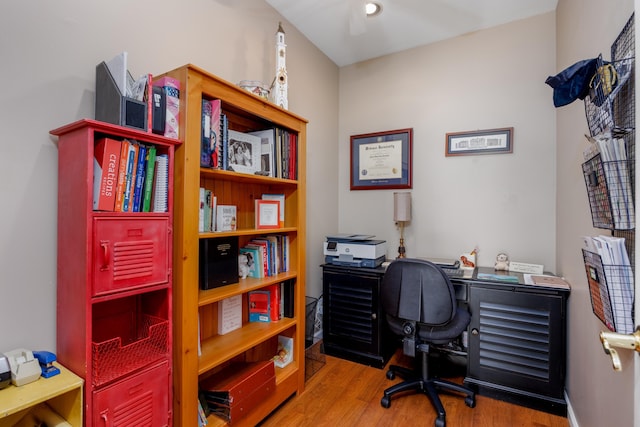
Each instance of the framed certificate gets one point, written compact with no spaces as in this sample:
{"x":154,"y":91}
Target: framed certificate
{"x":492,"y":141}
{"x":381,"y":160}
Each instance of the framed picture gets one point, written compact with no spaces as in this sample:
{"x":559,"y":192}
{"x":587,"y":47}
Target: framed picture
{"x":381,"y":160}
{"x":267,"y":214}
{"x":490,"y":141}
{"x":245,"y":152}
{"x":267,"y":138}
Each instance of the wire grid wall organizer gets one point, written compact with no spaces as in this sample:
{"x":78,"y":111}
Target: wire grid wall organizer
{"x":610,"y":107}
{"x":624,"y":103}
{"x":610,"y":193}
{"x":611,"y":292}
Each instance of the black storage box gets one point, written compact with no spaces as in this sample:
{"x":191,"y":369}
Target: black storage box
{"x":218,"y":262}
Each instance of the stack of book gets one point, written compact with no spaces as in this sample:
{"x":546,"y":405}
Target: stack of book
{"x":129,"y":176}
{"x":269,"y":152}
{"x":214,"y":216}
{"x":267,"y":256}
{"x":272,"y":302}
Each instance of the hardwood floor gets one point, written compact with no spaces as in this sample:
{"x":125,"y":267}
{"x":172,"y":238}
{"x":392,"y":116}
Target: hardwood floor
{"x":344,"y":393}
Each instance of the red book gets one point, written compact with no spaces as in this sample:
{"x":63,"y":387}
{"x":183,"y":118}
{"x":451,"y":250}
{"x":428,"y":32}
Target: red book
{"x":274,"y":295}
{"x":122,"y":175}
{"x":259,"y":310}
{"x":105,"y":174}
{"x":148,"y":98}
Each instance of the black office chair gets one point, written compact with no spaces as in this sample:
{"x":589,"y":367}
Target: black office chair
{"x":420,"y":306}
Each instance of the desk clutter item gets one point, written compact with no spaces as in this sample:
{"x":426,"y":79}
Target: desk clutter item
{"x":5,"y":371}
{"x":141,"y":104}
{"x":46,"y":359}
{"x":24,"y":367}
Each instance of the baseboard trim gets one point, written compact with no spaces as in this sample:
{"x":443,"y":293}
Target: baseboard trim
{"x":571,"y":416}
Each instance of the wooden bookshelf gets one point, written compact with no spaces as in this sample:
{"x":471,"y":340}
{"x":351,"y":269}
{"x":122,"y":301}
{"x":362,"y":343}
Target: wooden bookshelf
{"x":195,"y":310}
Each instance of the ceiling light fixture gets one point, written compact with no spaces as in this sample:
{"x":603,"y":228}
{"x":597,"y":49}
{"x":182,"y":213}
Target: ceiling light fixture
{"x":372,"y":9}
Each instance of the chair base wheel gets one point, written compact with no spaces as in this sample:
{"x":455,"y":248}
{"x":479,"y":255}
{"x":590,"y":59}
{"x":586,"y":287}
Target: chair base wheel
{"x":385,"y":402}
{"x":470,"y":401}
{"x":390,"y":375}
{"x":440,"y":422}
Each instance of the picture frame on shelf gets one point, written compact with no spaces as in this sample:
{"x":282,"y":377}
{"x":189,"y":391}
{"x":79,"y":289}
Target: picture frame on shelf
{"x":382,"y":160}
{"x":267,"y":139}
{"x":267,"y":214}
{"x":245,"y":152}
{"x":490,"y":141}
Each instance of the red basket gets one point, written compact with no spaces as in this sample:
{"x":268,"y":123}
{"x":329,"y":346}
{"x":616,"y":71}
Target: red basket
{"x":112,"y":360}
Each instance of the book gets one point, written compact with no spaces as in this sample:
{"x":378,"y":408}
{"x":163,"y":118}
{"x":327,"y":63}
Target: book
{"x":280,"y":198}
{"x":214,"y":208}
{"x":267,"y":213}
{"x":106,"y":163}
{"x":498,"y":277}
{"x":218,"y":261}
{"x":206,"y":150}
{"x":148,"y":99}
{"x":148,"y":179}
{"x":276,"y":260}
{"x":139,"y":177}
{"x":132,"y":157}
{"x":550,"y":281}
{"x":254,"y":261}
{"x":288,"y":298}
{"x":208,"y":210}
{"x":284,"y":353}
{"x":226,"y":218}
{"x":244,"y":152}
{"x":216,"y":131}
{"x":224,"y":158}
{"x":229,"y":314}
{"x":263,"y":244}
{"x":202,"y":200}
{"x":259,"y":306}
{"x":161,"y":184}
{"x":274,"y":301}
{"x":171,"y":87}
{"x":122,"y":175}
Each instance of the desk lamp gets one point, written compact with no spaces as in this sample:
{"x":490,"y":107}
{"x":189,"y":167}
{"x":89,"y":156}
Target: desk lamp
{"x":401,"y":215}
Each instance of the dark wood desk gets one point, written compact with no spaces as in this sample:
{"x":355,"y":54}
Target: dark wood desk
{"x":516,"y":348}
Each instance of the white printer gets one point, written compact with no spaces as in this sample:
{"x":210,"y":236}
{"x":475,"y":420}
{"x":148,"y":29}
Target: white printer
{"x":355,"y":250}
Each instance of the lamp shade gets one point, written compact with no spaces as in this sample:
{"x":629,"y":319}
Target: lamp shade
{"x":401,"y":207}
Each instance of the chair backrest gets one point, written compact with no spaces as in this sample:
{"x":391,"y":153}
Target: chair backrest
{"x":419,"y":291}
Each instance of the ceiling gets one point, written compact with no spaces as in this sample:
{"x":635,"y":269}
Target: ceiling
{"x":340,"y":29}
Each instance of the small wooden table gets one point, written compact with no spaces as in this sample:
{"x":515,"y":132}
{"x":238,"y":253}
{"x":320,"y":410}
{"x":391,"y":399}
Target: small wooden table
{"x":62,"y":392}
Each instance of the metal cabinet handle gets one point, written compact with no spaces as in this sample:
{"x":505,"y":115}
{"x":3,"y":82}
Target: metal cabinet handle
{"x":104,"y":244}
{"x":613,"y":339}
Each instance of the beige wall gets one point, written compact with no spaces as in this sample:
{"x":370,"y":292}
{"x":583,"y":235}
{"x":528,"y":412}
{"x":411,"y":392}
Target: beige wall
{"x":599,"y":396}
{"x":521,"y":203}
{"x":49,"y":51}
{"x":488,"y":79}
